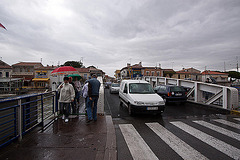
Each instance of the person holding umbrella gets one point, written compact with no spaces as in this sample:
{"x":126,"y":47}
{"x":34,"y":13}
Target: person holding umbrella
{"x":67,"y":95}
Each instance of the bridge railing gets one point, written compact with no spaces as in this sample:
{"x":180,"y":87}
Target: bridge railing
{"x":200,"y":92}
{"x":20,"y":115}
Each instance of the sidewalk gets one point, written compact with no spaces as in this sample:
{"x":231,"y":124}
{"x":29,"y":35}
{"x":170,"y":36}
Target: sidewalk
{"x":73,"y":140}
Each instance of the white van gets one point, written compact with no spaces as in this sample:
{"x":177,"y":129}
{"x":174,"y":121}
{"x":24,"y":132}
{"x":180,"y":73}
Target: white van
{"x":139,"y":96}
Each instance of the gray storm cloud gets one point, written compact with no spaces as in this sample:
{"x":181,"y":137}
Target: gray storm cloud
{"x":108,"y":33}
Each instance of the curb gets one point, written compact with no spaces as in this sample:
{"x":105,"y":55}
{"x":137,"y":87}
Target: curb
{"x":235,"y":112}
{"x":111,"y":145}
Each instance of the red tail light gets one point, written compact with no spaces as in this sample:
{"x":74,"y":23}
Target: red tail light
{"x":169,"y":94}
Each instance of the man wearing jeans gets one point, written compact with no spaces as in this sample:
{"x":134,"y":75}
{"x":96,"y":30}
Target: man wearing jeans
{"x":67,"y":95}
{"x":93,"y":95}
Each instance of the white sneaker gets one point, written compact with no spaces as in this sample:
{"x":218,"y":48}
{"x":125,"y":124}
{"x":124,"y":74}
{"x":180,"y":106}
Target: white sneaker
{"x":63,"y":117}
{"x":66,"y":120}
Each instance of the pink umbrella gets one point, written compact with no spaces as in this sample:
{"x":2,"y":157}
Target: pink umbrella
{"x":64,"y":70}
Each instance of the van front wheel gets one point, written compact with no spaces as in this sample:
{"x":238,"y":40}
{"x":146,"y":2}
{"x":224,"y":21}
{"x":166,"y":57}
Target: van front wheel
{"x":130,"y":112}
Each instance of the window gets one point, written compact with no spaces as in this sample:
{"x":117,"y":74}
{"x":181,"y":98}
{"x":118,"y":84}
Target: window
{"x":158,"y":73}
{"x":153,"y":73}
{"x":176,"y":89}
{"x":115,"y":85}
{"x":0,"y":74}
{"x":125,"y":88}
{"x":147,"y":72}
{"x":7,"y":74}
{"x":140,"y":88}
{"x":162,"y":89}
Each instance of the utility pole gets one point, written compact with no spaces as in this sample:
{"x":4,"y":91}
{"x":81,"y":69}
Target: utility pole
{"x":237,"y":63}
{"x":224,"y":67}
{"x":205,"y":73}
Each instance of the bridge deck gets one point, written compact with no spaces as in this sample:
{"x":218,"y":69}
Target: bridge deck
{"x":72,"y":140}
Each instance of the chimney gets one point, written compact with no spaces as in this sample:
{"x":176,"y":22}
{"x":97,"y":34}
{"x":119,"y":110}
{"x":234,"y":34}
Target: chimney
{"x":128,"y":64}
{"x":140,"y":64}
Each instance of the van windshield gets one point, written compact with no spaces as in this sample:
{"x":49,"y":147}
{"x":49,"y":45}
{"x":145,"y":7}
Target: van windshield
{"x":141,"y":88}
{"x":115,"y":85}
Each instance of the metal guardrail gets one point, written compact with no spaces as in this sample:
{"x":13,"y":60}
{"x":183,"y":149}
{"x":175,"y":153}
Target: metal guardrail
{"x":200,"y":92}
{"x":21,"y":114}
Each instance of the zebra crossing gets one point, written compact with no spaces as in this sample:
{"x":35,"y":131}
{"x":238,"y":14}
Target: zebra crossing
{"x":140,"y":150}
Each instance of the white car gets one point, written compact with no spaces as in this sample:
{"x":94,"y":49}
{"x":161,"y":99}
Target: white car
{"x":114,"y":88}
{"x":139,"y":96}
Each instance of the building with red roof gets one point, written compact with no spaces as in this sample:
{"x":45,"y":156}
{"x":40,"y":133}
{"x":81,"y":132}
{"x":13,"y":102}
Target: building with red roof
{"x":215,"y":76}
{"x":5,"y":70}
{"x":189,"y":74}
{"x":25,"y":70}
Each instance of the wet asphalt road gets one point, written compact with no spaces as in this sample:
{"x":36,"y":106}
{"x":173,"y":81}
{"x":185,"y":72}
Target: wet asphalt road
{"x":174,"y":112}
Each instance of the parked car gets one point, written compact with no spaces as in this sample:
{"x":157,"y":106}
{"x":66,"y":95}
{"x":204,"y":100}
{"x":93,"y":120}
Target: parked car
{"x":114,"y":88}
{"x":108,"y":84}
{"x":139,"y":96}
{"x":171,"y":93}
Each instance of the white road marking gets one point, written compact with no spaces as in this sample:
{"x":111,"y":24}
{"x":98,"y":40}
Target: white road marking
{"x":219,"y":129}
{"x":231,"y":124}
{"x":238,"y":119}
{"x":217,"y":144}
{"x":179,"y":146}
{"x":137,"y":146}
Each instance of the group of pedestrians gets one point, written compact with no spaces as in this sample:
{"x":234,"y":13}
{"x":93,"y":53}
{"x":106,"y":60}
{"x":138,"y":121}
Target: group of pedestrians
{"x":70,"y":95}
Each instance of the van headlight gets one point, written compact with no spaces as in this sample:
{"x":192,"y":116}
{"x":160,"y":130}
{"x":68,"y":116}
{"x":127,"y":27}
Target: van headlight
{"x":139,"y":102}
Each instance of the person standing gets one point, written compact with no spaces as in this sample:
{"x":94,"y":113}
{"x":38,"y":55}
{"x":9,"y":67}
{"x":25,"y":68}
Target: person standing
{"x":93,"y":95}
{"x":85,"y":94}
{"x":78,"y":86}
{"x":67,"y":95}
{"x":73,"y":105}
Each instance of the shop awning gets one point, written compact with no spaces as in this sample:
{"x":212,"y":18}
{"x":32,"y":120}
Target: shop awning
{"x":40,"y":79}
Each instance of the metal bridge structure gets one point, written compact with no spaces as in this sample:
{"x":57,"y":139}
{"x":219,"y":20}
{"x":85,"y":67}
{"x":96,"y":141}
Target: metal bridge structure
{"x":219,"y":96}
{"x":20,"y":115}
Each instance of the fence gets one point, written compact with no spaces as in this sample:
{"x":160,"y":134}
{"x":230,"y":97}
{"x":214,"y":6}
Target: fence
{"x":199,"y":92}
{"x":22,"y":114}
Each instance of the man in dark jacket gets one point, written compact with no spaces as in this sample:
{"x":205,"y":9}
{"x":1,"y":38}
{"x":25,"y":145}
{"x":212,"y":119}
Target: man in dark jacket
{"x":93,"y":95}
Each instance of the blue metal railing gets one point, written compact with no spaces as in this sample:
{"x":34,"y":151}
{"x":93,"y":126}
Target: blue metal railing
{"x":21,"y":114}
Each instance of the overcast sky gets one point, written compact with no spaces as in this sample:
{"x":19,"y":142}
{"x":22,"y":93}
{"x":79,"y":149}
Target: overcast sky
{"x":111,"y":33}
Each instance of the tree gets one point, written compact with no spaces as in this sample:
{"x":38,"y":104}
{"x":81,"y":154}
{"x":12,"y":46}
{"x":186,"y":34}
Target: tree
{"x":234,"y":74}
{"x":75,"y":64}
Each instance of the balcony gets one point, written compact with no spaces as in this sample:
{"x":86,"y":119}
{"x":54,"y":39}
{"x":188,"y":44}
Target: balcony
{"x":22,"y":73}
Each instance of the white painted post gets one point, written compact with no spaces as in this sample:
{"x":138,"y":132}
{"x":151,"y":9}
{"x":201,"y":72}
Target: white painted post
{"x":225,"y":98}
{"x":196,"y":92}
{"x":157,"y":81}
{"x":178,"y":82}
{"x":165,"y":80}
{"x":20,"y":120}
{"x":150,"y":81}
{"x":100,"y":108}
